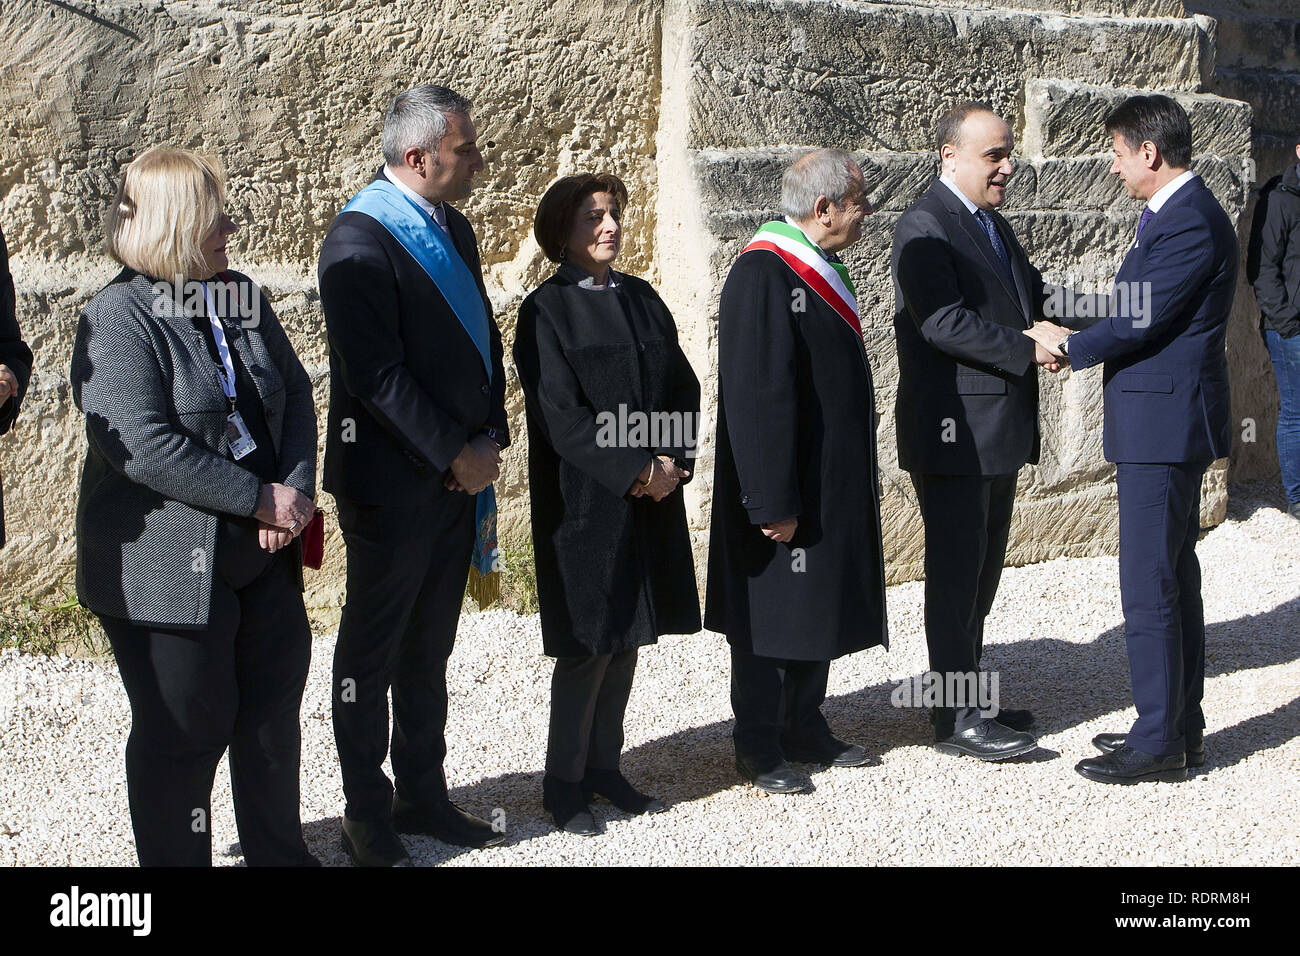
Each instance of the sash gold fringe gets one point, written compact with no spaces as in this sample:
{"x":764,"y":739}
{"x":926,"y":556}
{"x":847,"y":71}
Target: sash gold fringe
{"x":485,"y":589}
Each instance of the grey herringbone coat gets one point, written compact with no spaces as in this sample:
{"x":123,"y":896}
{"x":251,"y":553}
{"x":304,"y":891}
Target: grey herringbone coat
{"x":158,"y":476}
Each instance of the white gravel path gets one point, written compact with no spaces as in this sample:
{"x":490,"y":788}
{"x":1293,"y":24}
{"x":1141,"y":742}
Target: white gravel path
{"x":1055,"y":636}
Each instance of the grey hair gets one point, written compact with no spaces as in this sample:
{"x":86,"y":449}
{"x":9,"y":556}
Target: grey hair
{"x":418,"y":117}
{"x":832,"y":173}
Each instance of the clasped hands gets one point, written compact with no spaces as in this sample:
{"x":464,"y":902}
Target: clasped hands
{"x":8,"y":383}
{"x":1047,"y":338}
{"x":282,"y":513}
{"x":476,"y":467}
{"x":658,"y":479}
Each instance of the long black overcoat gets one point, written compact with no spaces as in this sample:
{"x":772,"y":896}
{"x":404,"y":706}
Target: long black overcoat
{"x":795,"y":437}
{"x":613,"y":571}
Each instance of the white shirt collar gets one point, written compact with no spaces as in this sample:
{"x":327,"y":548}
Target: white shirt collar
{"x":825,"y":254}
{"x":589,"y":283}
{"x":965,"y":200}
{"x":1166,"y":192}
{"x":431,"y":209}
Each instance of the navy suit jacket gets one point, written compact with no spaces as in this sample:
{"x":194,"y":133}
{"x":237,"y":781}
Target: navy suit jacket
{"x":407,"y":386}
{"x":1166,"y":373}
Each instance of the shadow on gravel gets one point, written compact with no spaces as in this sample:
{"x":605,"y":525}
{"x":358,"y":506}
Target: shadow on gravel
{"x":1064,"y":684}
{"x":1232,"y":745}
{"x":1245,"y":498}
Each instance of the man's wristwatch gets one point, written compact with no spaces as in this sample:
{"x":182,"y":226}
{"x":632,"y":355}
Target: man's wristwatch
{"x":1064,"y":345}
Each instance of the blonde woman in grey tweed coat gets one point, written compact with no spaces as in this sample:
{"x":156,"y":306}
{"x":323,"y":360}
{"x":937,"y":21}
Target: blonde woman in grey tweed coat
{"x":200,"y":472}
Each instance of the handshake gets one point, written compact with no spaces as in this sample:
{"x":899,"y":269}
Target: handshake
{"x":1047,"y":338}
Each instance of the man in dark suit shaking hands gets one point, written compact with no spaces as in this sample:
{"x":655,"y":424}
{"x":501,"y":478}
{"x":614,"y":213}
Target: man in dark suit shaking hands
{"x":416,"y":425}
{"x":1166,"y":419}
{"x":967,"y":409}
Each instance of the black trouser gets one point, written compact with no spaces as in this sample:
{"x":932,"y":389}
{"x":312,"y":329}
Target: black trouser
{"x":407,"y":567}
{"x":588,"y":700}
{"x":237,"y":683}
{"x":967,"y":520}
{"x":776,"y":702}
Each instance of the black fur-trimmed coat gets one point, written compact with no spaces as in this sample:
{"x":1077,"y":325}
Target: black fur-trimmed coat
{"x":613,"y":571}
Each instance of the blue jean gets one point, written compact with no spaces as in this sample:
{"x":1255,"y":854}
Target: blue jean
{"x":1285,"y":354}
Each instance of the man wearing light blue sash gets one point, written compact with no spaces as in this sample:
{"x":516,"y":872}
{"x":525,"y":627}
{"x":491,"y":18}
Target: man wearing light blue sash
{"x":415,"y":428}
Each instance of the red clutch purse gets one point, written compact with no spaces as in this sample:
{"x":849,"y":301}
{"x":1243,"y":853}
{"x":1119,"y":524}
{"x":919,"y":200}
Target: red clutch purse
{"x":313,"y":541}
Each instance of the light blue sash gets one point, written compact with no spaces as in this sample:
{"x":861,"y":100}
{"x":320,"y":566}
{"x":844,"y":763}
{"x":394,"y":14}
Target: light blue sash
{"x":433,"y":250}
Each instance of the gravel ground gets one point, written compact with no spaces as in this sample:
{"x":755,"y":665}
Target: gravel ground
{"x":1055,"y":636}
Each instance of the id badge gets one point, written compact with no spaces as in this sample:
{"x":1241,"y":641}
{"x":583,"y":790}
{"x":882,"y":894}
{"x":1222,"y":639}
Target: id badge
{"x":241,"y":442}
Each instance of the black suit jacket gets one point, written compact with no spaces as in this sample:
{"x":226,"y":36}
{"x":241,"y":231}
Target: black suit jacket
{"x":967,"y":400}
{"x":13,"y":353}
{"x":407,"y":386}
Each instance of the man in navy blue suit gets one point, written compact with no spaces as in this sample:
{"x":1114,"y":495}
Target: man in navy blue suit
{"x":1166,"y":419}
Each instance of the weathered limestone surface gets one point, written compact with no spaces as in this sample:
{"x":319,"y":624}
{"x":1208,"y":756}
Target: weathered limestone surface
{"x":289,"y":95}
{"x":696,"y":103}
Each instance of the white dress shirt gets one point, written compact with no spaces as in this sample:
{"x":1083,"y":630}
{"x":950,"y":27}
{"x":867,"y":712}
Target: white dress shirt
{"x":965,"y":200}
{"x":431,"y":209}
{"x":1166,"y":192}
{"x":825,"y":255}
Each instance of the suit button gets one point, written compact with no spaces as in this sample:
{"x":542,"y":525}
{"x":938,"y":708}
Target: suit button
{"x":744,"y":499}
{"x":641,"y":346}
{"x":485,"y":390}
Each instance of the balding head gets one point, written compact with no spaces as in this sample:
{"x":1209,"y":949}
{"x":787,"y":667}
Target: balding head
{"x":975,"y":146}
{"x":825,"y":193}
{"x":823,"y":173}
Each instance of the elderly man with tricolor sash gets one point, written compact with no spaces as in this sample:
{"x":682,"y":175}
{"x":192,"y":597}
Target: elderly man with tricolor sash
{"x":796,"y":572}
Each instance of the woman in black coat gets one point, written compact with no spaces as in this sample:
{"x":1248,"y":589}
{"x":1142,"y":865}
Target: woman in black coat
{"x":612,"y":408}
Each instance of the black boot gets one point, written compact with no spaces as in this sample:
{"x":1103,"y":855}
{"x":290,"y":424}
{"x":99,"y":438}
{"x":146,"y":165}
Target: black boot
{"x":613,"y":786}
{"x":565,"y":803}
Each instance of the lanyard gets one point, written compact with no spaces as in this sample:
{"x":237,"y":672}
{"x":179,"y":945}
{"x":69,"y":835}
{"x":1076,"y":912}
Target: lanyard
{"x":226,"y":372}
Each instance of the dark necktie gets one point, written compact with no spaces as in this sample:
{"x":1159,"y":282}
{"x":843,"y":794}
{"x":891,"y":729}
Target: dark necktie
{"x":1147,"y":216}
{"x":995,"y":240}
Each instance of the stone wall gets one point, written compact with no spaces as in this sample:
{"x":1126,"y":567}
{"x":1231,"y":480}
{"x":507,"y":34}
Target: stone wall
{"x":696,"y":103}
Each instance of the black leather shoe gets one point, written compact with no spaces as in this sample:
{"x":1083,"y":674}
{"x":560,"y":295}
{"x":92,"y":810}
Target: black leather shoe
{"x":1107,"y":743}
{"x":565,"y":803}
{"x":782,"y":778}
{"x":373,"y":843}
{"x":613,"y":786}
{"x":988,"y":740}
{"x":1015,"y":719}
{"x":1126,"y":765}
{"x":445,"y":821}
{"x":831,"y":752}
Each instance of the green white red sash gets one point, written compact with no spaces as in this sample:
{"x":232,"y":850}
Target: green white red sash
{"x":830,"y":280}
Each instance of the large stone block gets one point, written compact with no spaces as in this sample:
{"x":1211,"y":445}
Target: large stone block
{"x":1256,"y":42}
{"x":1275,"y":97}
{"x":876,"y":77}
{"x":1066,"y":119}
